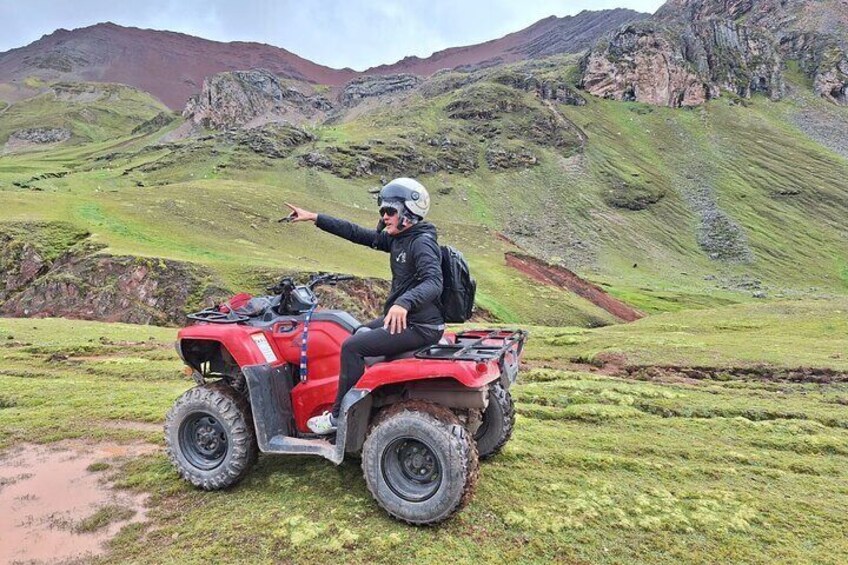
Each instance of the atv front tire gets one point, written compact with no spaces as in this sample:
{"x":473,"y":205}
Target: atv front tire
{"x":419,"y":462}
{"x":209,"y":436}
{"x":498,"y":422}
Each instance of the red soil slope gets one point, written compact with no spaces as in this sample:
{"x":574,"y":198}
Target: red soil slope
{"x":563,"y":278}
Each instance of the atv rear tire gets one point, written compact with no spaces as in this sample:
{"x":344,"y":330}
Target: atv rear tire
{"x":209,"y":436}
{"x":419,"y":462}
{"x":498,"y":422}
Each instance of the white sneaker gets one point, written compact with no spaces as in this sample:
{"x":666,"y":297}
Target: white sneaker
{"x":323,"y":424}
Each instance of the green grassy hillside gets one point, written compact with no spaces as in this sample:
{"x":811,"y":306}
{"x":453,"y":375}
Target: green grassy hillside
{"x":652,"y":469}
{"x":665,"y":208}
{"x":92,"y":112}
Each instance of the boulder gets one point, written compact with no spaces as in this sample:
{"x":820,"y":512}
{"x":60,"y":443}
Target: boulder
{"x":250,"y":98}
{"x":155,"y":123}
{"x":499,"y":157}
{"x":41,"y":135}
{"x":378,"y":85}
{"x":272,"y":140}
{"x":394,"y":157}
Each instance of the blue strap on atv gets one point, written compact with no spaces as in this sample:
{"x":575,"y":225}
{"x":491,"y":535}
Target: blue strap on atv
{"x":303,"y":340}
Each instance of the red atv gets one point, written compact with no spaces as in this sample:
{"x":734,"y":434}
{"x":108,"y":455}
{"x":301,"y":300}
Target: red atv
{"x":418,"y":419}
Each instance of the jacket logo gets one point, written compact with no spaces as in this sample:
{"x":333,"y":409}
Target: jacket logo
{"x":401,"y":258}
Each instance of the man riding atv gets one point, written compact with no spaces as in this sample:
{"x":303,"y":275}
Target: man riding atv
{"x":411,"y":316}
{"x":274,"y":374}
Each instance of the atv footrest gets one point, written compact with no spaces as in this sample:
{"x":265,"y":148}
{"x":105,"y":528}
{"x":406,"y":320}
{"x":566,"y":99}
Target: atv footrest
{"x":298,"y":446}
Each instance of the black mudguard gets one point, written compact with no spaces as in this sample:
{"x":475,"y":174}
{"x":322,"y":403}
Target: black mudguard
{"x":270,"y":399}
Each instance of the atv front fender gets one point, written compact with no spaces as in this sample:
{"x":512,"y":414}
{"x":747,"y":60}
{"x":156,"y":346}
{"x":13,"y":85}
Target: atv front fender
{"x":239,"y":342}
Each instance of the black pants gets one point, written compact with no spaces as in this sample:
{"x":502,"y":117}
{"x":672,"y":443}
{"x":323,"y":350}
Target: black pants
{"x":374,"y":343}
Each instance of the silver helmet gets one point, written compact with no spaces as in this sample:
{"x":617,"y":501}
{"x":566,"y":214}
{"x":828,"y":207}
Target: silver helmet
{"x":410,"y":192}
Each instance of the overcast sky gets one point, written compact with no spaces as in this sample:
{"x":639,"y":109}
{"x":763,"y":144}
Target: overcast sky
{"x":337,"y":33}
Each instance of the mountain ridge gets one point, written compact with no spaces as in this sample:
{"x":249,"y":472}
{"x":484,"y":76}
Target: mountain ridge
{"x":172,"y":65}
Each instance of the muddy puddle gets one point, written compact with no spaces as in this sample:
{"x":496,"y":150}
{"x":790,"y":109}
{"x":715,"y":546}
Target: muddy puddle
{"x":57,"y":504}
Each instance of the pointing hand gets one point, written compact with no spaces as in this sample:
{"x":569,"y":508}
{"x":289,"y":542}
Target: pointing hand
{"x":300,"y":215}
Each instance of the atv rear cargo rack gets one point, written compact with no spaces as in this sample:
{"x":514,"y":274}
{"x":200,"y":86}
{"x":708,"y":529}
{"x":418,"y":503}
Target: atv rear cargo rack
{"x":477,"y":346}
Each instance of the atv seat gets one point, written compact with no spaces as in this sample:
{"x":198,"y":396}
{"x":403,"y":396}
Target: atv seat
{"x":369,"y":361}
{"x":383,"y":358}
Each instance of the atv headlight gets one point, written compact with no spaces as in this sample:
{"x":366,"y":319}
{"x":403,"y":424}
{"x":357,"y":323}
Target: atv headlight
{"x":265,"y":347}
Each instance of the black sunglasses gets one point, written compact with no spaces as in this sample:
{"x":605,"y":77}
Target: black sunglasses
{"x":388,"y":211}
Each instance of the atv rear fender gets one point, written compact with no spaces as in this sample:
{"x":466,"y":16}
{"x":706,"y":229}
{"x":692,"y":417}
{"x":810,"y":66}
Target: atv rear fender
{"x":467,"y":374}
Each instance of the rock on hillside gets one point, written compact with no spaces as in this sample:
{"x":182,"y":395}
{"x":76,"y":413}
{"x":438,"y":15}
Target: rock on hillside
{"x":692,"y":50}
{"x":250,"y":98}
{"x":812,"y":32}
{"x":668,"y":66}
{"x":372,"y":86}
{"x":41,"y":136}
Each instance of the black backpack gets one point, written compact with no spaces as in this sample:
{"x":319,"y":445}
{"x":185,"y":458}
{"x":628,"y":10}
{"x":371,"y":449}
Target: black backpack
{"x":459,"y":286}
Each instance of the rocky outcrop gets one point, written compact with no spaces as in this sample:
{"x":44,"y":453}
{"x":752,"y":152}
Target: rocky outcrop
{"x":499,"y":157}
{"x":485,"y":101}
{"x":155,"y":123}
{"x":249,"y":99}
{"x":54,"y":270}
{"x":557,"y":91}
{"x":813,"y":33}
{"x":737,"y":58}
{"x":823,"y":60}
{"x":666,"y":66}
{"x":93,"y":286}
{"x":373,"y":86}
{"x":394,"y":157}
{"x":272,"y":140}
{"x":41,"y":135}
{"x":28,"y":249}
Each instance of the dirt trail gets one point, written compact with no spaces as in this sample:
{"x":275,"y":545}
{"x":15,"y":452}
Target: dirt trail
{"x":614,"y":364}
{"x":563,"y":278}
{"x":47,"y":492}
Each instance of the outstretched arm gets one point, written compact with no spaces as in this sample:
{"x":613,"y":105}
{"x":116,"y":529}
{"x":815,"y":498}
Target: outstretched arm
{"x":342,"y":228}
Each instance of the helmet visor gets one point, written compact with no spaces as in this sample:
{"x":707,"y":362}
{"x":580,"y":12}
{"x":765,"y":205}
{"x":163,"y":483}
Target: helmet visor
{"x":394,"y":192}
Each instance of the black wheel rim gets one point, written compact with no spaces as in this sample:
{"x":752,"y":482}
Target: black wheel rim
{"x":411,"y":469}
{"x":203,"y":440}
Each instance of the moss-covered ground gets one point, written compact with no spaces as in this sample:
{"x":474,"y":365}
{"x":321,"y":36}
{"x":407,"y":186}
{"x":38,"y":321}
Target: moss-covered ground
{"x":600,"y":469}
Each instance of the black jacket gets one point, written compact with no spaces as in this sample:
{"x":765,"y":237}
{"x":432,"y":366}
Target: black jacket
{"x":416,"y":262}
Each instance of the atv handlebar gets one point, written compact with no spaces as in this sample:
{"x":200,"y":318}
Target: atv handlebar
{"x":326,"y":278}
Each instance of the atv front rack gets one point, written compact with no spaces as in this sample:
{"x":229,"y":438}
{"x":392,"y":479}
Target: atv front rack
{"x":482,"y":346}
{"x":214,"y":316}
